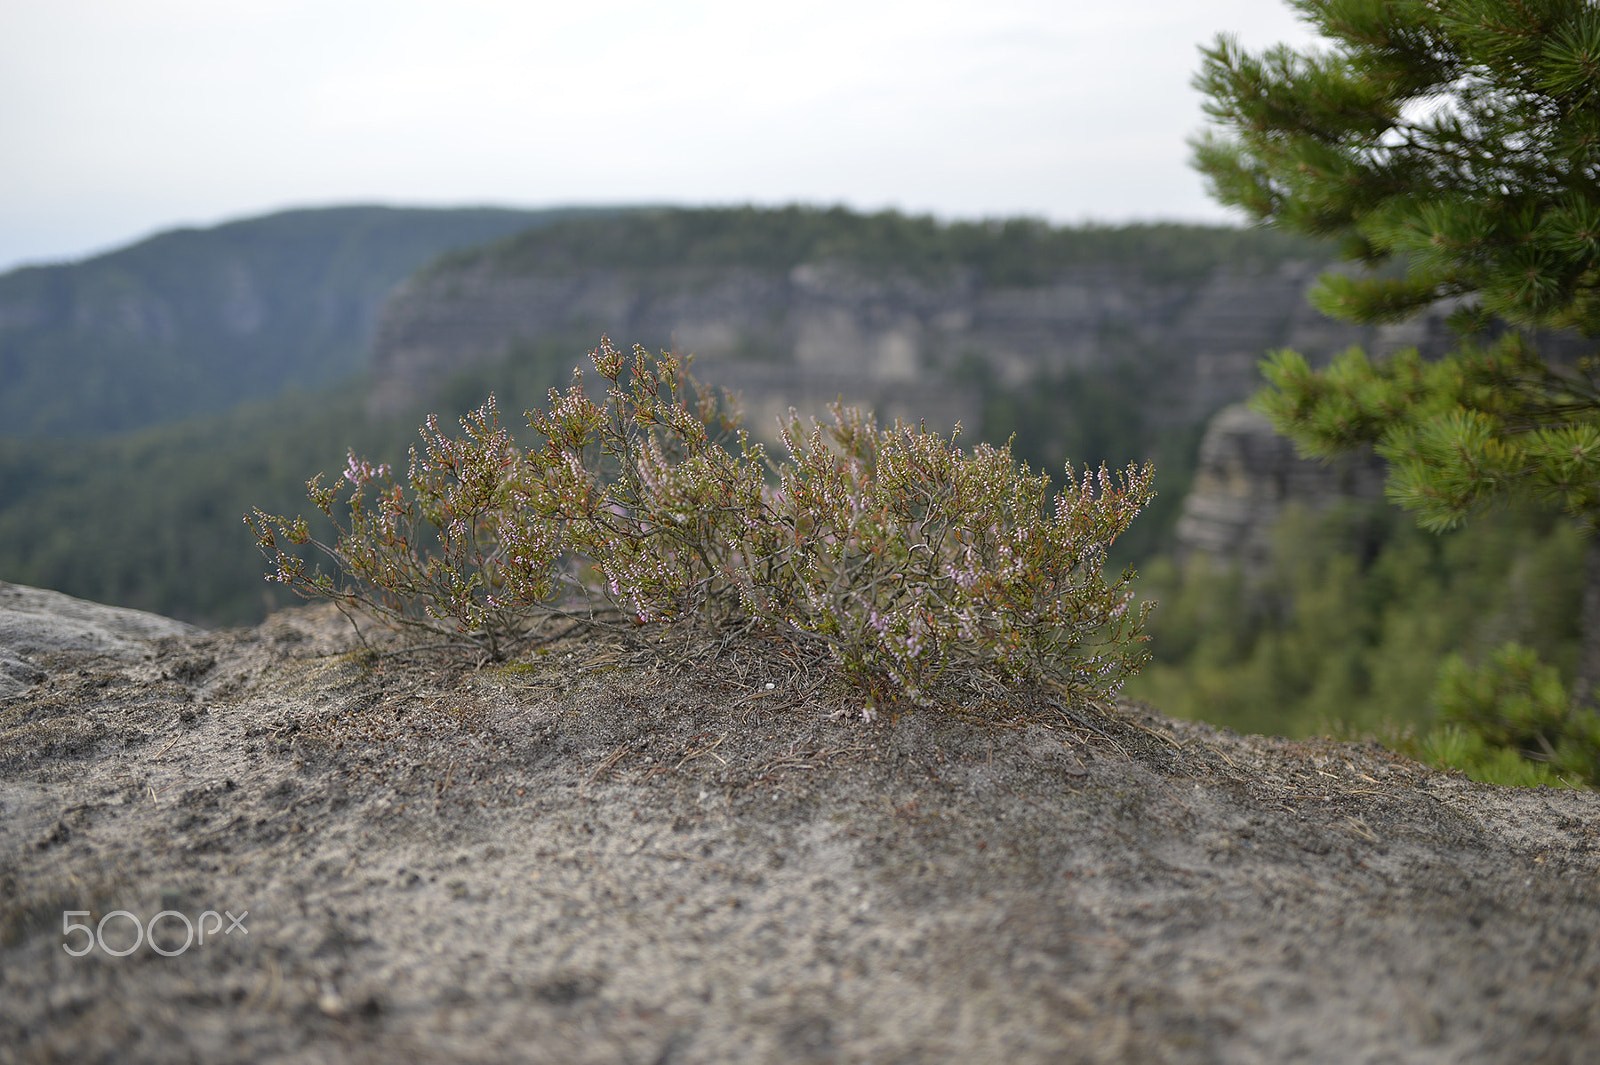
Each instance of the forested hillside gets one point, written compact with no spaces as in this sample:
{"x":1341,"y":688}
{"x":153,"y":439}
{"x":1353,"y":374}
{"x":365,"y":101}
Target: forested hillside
{"x":1348,"y":627}
{"x":1002,"y":252}
{"x":153,"y":518}
{"x":197,"y":320}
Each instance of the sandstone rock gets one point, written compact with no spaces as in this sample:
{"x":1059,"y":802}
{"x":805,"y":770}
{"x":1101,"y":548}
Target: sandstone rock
{"x":834,"y":329}
{"x":601,"y":855}
{"x":1247,"y":474}
{"x":35,"y":623}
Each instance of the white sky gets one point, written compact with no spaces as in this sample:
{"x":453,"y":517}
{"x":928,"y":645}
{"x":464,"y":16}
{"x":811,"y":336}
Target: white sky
{"x":119,"y":118}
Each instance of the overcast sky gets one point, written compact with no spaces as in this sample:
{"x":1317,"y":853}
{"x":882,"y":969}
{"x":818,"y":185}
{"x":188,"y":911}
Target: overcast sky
{"x":119,"y":118}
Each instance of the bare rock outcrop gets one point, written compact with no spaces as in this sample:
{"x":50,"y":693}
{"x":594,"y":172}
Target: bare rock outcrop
{"x":880,"y":340}
{"x":40,"y":627}
{"x":1247,"y":474}
{"x":253,"y":846}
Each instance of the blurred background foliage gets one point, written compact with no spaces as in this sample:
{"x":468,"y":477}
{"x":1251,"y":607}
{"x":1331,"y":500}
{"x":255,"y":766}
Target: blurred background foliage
{"x":1016,"y":251}
{"x":1348,"y":628}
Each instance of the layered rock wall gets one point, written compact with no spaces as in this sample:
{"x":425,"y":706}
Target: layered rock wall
{"x":829,"y":330}
{"x":833,"y":330}
{"x":1248,"y":475}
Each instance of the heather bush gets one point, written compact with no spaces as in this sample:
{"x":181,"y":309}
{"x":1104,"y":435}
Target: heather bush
{"x":912,"y":558}
{"x":457,"y":551}
{"x":907,"y":560}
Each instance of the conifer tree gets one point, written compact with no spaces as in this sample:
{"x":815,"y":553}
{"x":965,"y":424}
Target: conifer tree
{"x":1452,"y":147}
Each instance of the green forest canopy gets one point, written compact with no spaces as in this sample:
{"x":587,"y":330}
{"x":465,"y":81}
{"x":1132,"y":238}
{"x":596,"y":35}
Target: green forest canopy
{"x":1016,"y":251}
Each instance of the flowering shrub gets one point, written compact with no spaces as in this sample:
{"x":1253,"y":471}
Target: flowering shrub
{"x":461,"y":554}
{"x":905,"y":559}
{"x":913,"y":558}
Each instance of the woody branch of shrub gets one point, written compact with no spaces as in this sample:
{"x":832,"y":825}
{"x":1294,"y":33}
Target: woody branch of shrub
{"x":905,"y":559}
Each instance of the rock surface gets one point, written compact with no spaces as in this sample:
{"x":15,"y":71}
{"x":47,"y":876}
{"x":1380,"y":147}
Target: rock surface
{"x":593,"y":856}
{"x":37,"y":624}
{"x":1247,"y":475}
{"x":834,"y":330}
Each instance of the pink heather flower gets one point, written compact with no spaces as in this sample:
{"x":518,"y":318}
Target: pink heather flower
{"x":359,"y":471}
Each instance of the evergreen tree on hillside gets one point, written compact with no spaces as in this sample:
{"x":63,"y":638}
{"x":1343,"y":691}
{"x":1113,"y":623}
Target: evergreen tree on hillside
{"x":1454,"y":147}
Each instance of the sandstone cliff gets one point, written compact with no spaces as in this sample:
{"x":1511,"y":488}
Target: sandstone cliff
{"x":1247,"y":475}
{"x":891,"y":336}
{"x":887,"y":337}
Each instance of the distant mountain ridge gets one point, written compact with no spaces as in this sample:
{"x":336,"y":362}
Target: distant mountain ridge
{"x":195,"y":321}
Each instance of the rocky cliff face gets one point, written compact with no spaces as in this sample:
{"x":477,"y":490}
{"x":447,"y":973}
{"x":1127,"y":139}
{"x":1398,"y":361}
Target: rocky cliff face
{"x":195,"y":321}
{"x":825,"y":329}
{"x":890,"y":339}
{"x":1245,"y":478}
{"x":1247,"y":475}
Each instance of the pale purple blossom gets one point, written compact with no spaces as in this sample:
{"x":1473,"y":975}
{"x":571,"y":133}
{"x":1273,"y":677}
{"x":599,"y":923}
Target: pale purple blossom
{"x":359,"y":471}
